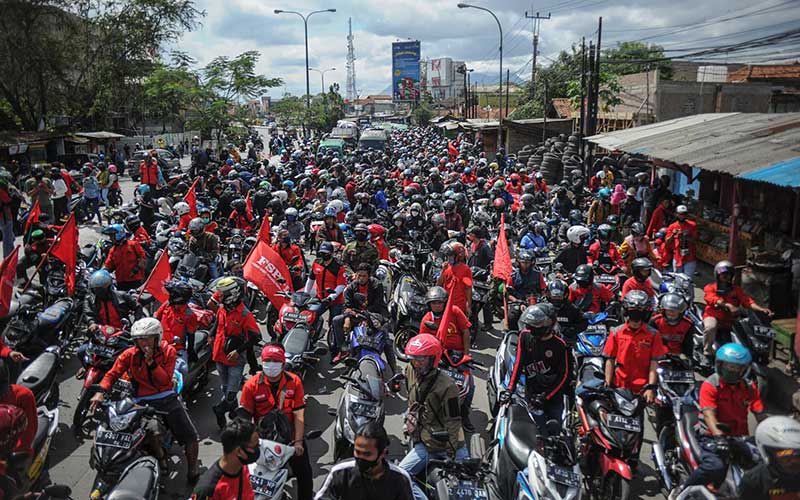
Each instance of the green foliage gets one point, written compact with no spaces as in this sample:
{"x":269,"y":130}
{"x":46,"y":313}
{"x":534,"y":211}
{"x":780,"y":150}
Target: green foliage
{"x":169,"y":91}
{"x":637,"y":51}
{"x":423,"y":113}
{"x":325,"y":110}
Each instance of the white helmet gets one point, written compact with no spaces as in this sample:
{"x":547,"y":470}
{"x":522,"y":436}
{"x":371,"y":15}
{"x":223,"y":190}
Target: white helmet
{"x":338,"y":205}
{"x":577,"y":234}
{"x":778,"y":441}
{"x":145,"y":328}
{"x":181,"y":208}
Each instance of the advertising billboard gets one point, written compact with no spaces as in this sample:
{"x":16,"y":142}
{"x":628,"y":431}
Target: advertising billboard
{"x":440,"y":72}
{"x":405,"y":71}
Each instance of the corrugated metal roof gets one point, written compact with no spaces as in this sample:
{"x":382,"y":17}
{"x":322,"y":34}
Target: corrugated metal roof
{"x":734,"y":143}
{"x":785,"y":173}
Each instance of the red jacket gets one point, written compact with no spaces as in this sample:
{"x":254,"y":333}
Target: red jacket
{"x":736,"y":297}
{"x":123,"y":260}
{"x":289,"y":253}
{"x":176,"y":320}
{"x":633,"y":350}
{"x":611,"y":253}
{"x":672,"y":336}
{"x":149,"y":171}
{"x":682,"y":243}
{"x":258,"y":399}
{"x":657,"y":220}
{"x":241,"y":221}
{"x":23,"y":398}
{"x":511,"y":188}
{"x":238,"y":322}
{"x":633,"y":284}
{"x":146,"y":380}
{"x":599,"y":293}
{"x":141,"y":235}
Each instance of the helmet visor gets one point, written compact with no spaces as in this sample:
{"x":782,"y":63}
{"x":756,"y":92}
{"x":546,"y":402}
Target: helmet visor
{"x":787,"y":461}
{"x":731,"y":373}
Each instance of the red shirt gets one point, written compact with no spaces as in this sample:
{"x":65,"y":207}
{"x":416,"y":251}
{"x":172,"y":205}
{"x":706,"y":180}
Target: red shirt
{"x":657,"y":220}
{"x":147,"y":381}
{"x":511,"y":188}
{"x":599,"y":294}
{"x":595,"y":253}
{"x":257,"y":397}
{"x":455,"y":279}
{"x":736,"y":297}
{"x":633,"y":352}
{"x":149,"y":172}
{"x":141,"y":235}
{"x":4,"y":349}
{"x":107,"y":314}
{"x":123,"y":259}
{"x":216,"y":484}
{"x":672,"y":335}
{"x":183,"y":222}
{"x":177,"y":321}
{"x":331,"y":276}
{"x":683,"y":243}
{"x":238,"y":322}
{"x":730,"y":402}
{"x":458,"y":323}
{"x":287,"y":254}
{"x":23,"y":398}
{"x":634,"y":284}
{"x":241,"y":221}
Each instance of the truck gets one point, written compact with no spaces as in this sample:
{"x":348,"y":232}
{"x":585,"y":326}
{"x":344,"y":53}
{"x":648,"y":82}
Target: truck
{"x":373,"y":138}
{"x":348,"y":134}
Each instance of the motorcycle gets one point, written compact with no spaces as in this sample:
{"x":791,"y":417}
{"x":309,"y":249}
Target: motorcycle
{"x":270,"y":473}
{"x":25,"y":469}
{"x":470,"y":479}
{"x":406,"y":306}
{"x":139,"y":480}
{"x":299,"y":328}
{"x":32,"y":328}
{"x":40,"y":377}
{"x":456,"y":365}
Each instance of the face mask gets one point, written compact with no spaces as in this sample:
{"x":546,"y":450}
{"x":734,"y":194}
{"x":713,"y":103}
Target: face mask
{"x":250,"y":456}
{"x":365,"y":465}
{"x":287,"y":240}
{"x":272,"y":368}
{"x":206,"y":220}
{"x":451,"y":260}
{"x":361,"y":237}
{"x":102,"y":293}
{"x":398,"y":223}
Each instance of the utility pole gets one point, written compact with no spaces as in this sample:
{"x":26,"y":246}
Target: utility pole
{"x":537,"y":25}
{"x":582,"y":121}
{"x":596,"y":107}
{"x":468,"y":103}
{"x":508,"y":75}
{"x":544,"y":115}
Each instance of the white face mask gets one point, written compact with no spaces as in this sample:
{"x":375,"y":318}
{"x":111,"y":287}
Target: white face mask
{"x":272,"y":368}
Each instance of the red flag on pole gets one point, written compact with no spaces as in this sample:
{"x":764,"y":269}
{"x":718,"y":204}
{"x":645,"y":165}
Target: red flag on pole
{"x":33,"y":216}
{"x":264,"y":231}
{"x":502,"y":256}
{"x":8,"y":272}
{"x":444,"y":325}
{"x":191,"y":199}
{"x":65,"y":249}
{"x":265,"y":268}
{"x":155,"y":282}
{"x":451,"y":150}
{"x":249,"y":206}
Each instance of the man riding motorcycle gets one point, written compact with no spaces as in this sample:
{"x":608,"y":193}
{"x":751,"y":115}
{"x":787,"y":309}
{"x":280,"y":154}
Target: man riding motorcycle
{"x":204,"y":245}
{"x":526,"y":282}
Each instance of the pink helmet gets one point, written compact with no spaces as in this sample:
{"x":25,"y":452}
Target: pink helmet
{"x":425,"y":344}
{"x":112,"y":168}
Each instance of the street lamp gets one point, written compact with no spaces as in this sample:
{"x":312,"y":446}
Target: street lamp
{"x":322,"y":75}
{"x":500,"y":109}
{"x":305,"y":25}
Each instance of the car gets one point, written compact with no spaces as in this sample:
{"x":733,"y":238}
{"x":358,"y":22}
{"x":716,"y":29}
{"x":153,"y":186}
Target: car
{"x":75,"y":161}
{"x":165,"y":157}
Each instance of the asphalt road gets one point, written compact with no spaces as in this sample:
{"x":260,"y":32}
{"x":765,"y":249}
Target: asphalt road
{"x":69,"y":459}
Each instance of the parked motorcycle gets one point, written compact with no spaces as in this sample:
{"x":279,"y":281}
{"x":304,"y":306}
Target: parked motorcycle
{"x":33,"y":328}
{"x":407,"y":305}
{"x":40,"y":377}
{"x":270,"y":473}
{"x":139,"y":480}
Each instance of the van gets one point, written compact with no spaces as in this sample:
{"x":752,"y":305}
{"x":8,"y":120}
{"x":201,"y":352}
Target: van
{"x":337,"y":145}
{"x":373,"y":139}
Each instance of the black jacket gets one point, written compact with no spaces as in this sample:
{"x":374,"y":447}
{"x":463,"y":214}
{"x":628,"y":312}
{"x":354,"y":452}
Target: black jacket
{"x":571,"y":257}
{"x":759,"y":484}
{"x":123,"y":302}
{"x":482,"y":257}
{"x":376,"y":298}
{"x":345,"y":482}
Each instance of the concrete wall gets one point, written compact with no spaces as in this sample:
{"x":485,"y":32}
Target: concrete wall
{"x":677,"y":99}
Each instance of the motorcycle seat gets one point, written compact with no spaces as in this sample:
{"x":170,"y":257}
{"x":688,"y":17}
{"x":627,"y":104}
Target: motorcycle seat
{"x":294,"y":341}
{"x":41,"y":432}
{"x":510,"y":352}
{"x":137,"y":481}
{"x":521,"y":436}
{"x":688,"y":421}
{"x":38,"y":375}
{"x":200,"y":340}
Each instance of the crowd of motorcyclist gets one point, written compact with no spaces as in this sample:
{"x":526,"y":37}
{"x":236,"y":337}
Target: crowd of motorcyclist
{"x":339,"y":223}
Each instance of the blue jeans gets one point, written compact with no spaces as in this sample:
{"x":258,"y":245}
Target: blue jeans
{"x":687,"y":268}
{"x":231,"y":380}
{"x":93,"y":208}
{"x":712,"y":468}
{"x":182,"y":362}
{"x":417,"y":460}
{"x":552,"y":409}
{"x":7,"y":229}
{"x":213,"y":270}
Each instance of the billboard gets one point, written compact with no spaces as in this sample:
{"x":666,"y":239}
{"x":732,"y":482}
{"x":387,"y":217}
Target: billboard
{"x":440,"y":72}
{"x":405,"y":71}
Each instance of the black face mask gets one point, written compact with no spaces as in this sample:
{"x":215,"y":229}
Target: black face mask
{"x":250,"y":456}
{"x":102,"y":293}
{"x":364,"y":465}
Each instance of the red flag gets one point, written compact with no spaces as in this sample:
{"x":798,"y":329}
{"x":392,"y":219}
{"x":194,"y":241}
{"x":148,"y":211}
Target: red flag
{"x":8,"y":272}
{"x":502,"y":256}
{"x":191,"y":199}
{"x":265,"y":268}
{"x":249,"y":209}
{"x":161,"y":274}
{"x":264,"y":231}
{"x":444,"y":325}
{"x":451,"y":150}
{"x":65,"y":249}
{"x":33,"y":216}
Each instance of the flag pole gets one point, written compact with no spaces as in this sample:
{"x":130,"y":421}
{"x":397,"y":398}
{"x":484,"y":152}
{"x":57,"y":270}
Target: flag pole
{"x":47,"y":254}
{"x":144,"y":285}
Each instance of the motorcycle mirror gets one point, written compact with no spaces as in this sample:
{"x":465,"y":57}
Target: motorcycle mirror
{"x":315,"y":434}
{"x":441,"y":436}
{"x":553,"y":427}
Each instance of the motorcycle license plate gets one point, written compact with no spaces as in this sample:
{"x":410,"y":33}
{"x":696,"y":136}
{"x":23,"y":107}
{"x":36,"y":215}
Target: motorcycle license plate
{"x":630,"y":424}
{"x":363,"y":409}
{"x":543,"y":261}
{"x":114,"y":439}
{"x":103,"y":351}
{"x":457,"y":376}
{"x":293,"y":317}
{"x":764,"y":331}
{"x":606,"y":279}
{"x":122,"y":386}
{"x":599,"y":329}
{"x":263,"y":486}
{"x":678,"y":376}
{"x":562,"y":475}
{"x":467,"y":490}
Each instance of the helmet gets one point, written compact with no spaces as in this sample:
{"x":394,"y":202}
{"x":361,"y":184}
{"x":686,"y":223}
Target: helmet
{"x":231,"y":290}
{"x":112,"y":169}
{"x":239,"y":204}
{"x":604,"y":233}
{"x":288,"y":185}
{"x":604,"y":194}
{"x":557,"y":292}
{"x":660,"y":234}
{"x":143,"y":189}
{"x":637,"y":305}
{"x":146,"y":328}
{"x":398,"y":217}
{"x":181,"y":208}
{"x":117,"y":232}
{"x":361,"y":227}
{"x":526,"y":199}
{"x":100,"y":279}
{"x":732,"y":362}
{"x":132,"y":222}
{"x":13,"y":421}
{"x":291,"y":213}
{"x":425,"y":344}
{"x":499,"y":204}
{"x":229,"y":161}
{"x":325,"y":248}
{"x":196,"y":226}
{"x":536,"y":320}
{"x":437,"y":220}
{"x":639,"y":266}
{"x":499,"y":184}
{"x":179,"y":291}
{"x":612,"y":220}
{"x":723,"y":267}
{"x":458,"y":251}
{"x":514,"y":177}
{"x":376,"y":230}
{"x":37,"y":171}
{"x":233,"y":175}
{"x":637,"y":229}
{"x":449,"y":206}
{"x":584,"y":275}
{"x":577,"y":234}
{"x":266,"y":186}
{"x":778,"y":441}
{"x":672,"y":302}
{"x":416,"y":207}
{"x":37,"y":235}
{"x":538,"y":176}
{"x":525,"y":256}
{"x":330,"y":212}
{"x":436,"y":294}
{"x":574,"y":215}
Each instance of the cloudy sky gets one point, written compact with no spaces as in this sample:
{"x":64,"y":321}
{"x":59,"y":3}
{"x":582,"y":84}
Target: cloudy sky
{"x":233,"y":26}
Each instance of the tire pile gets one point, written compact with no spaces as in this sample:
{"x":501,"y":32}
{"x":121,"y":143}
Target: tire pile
{"x":553,"y":157}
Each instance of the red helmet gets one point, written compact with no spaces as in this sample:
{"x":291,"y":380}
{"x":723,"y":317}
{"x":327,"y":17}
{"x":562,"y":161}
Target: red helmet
{"x":425,"y":344}
{"x":416,"y":186}
{"x":515,"y":176}
{"x":458,"y":250}
{"x":12,"y":423}
{"x":499,"y":203}
{"x":376,"y":230}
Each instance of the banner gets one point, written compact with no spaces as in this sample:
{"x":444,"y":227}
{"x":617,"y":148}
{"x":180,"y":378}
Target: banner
{"x":265,"y":269}
{"x":155,"y":282}
{"x":405,"y":71}
{"x":8,"y":272}
{"x":65,"y":249}
{"x":191,"y":199}
{"x":33,"y":217}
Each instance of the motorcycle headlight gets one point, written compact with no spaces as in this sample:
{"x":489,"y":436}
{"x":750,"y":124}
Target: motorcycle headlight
{"x":626,"y":407}
{"x":119,"y":423}
{"x":269,"y":459}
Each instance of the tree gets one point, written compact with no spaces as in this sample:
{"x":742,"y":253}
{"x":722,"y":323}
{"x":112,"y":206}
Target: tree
{"x":565,"y":69}
{"x":326,"y":110}
{"x":170,"y":90}
{"x":71,"y":63}
{"x":290,"y":110}
{"x":423,"y":113}
{"x":637,"y":51}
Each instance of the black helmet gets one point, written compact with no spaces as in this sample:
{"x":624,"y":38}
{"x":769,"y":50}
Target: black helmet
{"x":637,"y":229}
{"x":526,"y":199}
{"x":133,"y":222}
{"x":196,"y":226}
{"x":637,"y":305}
{"x":536,"y":320}
{"x":37,"y":171}
{"x":557,"y":292}
{"x":575,"y":215}
{"x":525,"y":256}
{"x":436,"y":294}
{"x":672,"y":302}
{"x":449,"y":206}
{"x":604,"y":233}
{"x":613,"y":220}
{"x":584,"y":275}
{"x":179,"y":291}
{"x":240,"y":205}
{"x":641,"y":267}
{"x":361,"y":227}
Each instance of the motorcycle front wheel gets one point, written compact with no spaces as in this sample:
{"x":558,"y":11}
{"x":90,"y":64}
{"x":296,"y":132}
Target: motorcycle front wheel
{"x":615,"y":487}
{"x":401,"y":338}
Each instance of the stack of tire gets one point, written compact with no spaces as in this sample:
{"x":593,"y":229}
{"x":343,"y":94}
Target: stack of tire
{"x":524,"y":154}
{"x":570,"y":159}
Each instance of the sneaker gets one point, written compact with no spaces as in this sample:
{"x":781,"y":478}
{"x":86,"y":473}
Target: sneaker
{"x":220,"y":414}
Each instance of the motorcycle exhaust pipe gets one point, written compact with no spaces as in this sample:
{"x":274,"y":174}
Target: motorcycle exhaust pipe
{"x":661,"y":463}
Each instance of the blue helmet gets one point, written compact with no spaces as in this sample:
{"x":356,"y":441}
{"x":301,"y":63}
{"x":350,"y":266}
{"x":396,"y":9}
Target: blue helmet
{"x":732,"y":362}
{"x":116,"y":231}
{"x":287,"y":184}
{"x":230,"y":162}
{"x":408,"y":172}
{"x":467,"y":170}
{"x":326,"y":247}
{"x":143,"y":189}
{"x":604,"y":194}
{"x":100,"y":279}
{"x":330,"y":212}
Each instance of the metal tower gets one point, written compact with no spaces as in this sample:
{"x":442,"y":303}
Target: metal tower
{"x":352,"y":94}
